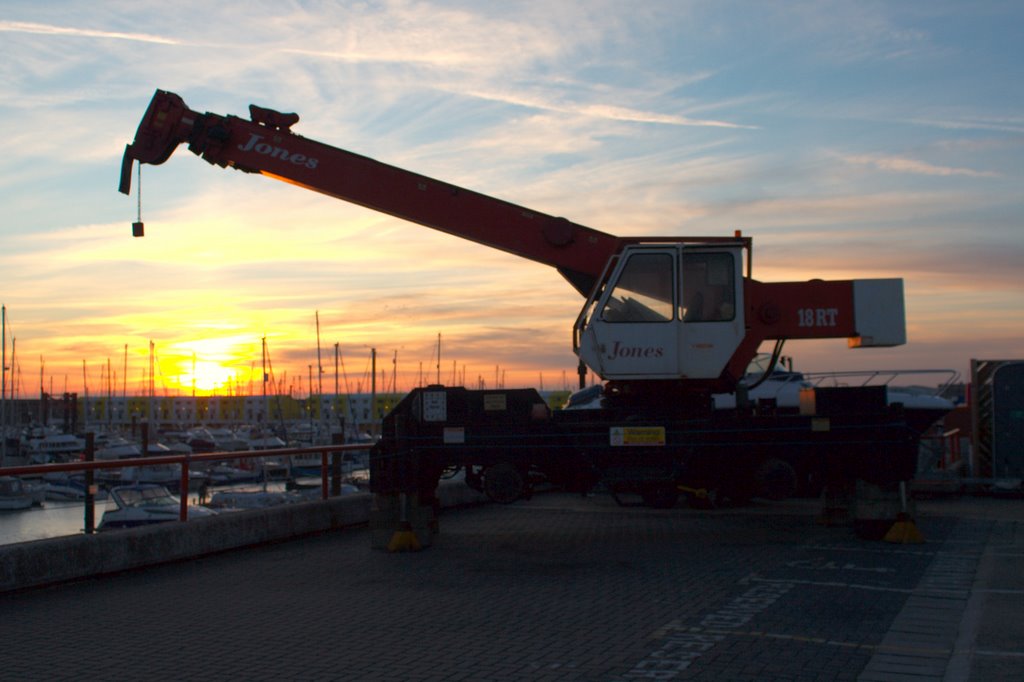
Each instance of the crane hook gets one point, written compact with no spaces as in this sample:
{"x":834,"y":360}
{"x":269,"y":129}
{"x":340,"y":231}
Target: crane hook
{"x":138,"y":229}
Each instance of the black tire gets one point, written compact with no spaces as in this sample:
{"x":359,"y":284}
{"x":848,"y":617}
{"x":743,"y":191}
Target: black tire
{"x":776,"y":479}
{"x":503,"y":483}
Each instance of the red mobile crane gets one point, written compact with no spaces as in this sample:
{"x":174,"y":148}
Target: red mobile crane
{"x":667,"y":321}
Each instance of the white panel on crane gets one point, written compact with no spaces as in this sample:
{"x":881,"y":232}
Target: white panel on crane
{"x":879,"y":314}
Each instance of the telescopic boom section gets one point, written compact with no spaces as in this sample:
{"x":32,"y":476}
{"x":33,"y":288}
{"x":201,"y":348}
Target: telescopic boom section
{"x":265,"y":145}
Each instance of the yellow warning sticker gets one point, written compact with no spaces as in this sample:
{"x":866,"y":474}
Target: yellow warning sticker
{"x":636,"y":435}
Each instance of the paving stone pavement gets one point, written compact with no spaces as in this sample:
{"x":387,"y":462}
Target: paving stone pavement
{"x":558,"y":588}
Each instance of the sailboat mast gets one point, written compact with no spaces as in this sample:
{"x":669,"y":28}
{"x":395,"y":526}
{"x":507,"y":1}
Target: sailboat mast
{"x":108,"y":408}
{"x":373,"y":389}
{"x":319,"y":364}
{"x":152,"y":379}
{"x":266,"y":408}
{"x":3,"y":384}
{"x":85,"y":391}
{"x":3,"y":354}
{"x":319,"y":380}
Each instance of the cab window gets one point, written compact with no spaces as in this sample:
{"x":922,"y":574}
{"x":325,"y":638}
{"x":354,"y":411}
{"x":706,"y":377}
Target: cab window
{"x":708,"y":287}
{"x":643,"y":292}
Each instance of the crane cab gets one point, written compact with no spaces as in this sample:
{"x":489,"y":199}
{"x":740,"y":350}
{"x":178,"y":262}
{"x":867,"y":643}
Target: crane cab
{"x":665,"y":311}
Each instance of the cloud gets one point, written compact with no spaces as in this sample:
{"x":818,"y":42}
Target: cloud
{"x":46,"y":29}
{"x":897,"y":164}
{"x":1000,"y":124}
{"x":599,"y":110}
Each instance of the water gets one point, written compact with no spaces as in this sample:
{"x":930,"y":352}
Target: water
{"x":52,"y":520}
{"x":59,"y":518}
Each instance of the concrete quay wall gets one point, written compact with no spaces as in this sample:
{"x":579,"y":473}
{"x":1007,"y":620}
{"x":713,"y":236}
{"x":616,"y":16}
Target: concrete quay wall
{"x":56,"y":560}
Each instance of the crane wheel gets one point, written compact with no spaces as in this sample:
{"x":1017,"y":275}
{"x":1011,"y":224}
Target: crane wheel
{"x":503,"y":483}
{"x":775,"y":479}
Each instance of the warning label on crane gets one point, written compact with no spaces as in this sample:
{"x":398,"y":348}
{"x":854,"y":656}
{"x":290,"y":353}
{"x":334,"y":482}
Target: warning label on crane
{"x":435,"y":406}
{"x":636,"y":435}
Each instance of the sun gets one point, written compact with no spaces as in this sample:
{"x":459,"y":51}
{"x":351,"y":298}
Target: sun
{"x":206,"y":377}
{"x":210,"y":366}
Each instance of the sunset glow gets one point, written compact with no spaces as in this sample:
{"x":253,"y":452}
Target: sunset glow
{"x":849,"y":140}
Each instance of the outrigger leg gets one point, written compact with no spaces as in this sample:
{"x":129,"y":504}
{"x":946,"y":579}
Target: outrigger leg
{"x":883,"y":512}
{"x":904,"y":531}
{"x":400,"y":523}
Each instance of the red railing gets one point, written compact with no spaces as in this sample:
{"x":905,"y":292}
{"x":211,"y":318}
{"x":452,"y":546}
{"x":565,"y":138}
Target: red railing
{"x":87,"y":464}
{"x":947,"y":443}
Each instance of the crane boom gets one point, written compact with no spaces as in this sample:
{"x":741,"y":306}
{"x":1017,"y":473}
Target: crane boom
{"x":266,"y":145}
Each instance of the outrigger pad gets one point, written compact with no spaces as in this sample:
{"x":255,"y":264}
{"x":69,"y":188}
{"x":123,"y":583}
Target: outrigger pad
{"x":395,"y":529}
{"x":904,"y":532}
{"x":404,"y":540}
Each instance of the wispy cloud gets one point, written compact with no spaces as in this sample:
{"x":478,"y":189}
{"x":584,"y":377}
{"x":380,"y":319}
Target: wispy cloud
{"x":899,"y":164}
{"x":599,"y":110}
{"x":1002,"y":124}
{"x":47,"y":29}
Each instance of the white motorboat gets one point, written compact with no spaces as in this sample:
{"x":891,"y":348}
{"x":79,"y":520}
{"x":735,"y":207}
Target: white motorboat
{"x":309,"y":465}
{"x":13,"y":494}
{"x":216,"y":440}
{"x":116,"y":448}
{"x":168,"y":475}
{"x":119,"y":448}
{"x":162,"y":474}
{"x":266,"y":442}
{"x":236,"y":500}
{"x":61,"y":486}
{"x":36,"y":490}
{"x":44,"y":446}
{"x":252,"y":499}
{"x":145,"y":504}
{"x":225,"y":474}
{"x":784,"y":387}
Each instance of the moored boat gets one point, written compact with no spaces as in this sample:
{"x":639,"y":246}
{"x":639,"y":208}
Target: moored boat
{"x":45,"y":445}
{"x":783,"y":389}
{"x":13,"y":494}
{"x":62,"y":486}
{"x":144,"y":504}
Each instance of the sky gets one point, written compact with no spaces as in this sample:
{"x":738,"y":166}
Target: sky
{"x":848,"y":139}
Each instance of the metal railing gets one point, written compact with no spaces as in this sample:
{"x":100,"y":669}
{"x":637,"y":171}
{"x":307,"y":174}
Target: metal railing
{"x":881,"y":377}
{"x":943,"y":448}
{"x":330,"y":473}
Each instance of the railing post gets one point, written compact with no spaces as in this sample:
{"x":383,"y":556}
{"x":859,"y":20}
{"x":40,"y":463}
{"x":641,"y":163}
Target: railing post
{"x":336,"y":459}
{"x":323,"y":474}
{"x":183,"y":492}
{"x":90,"y":485}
